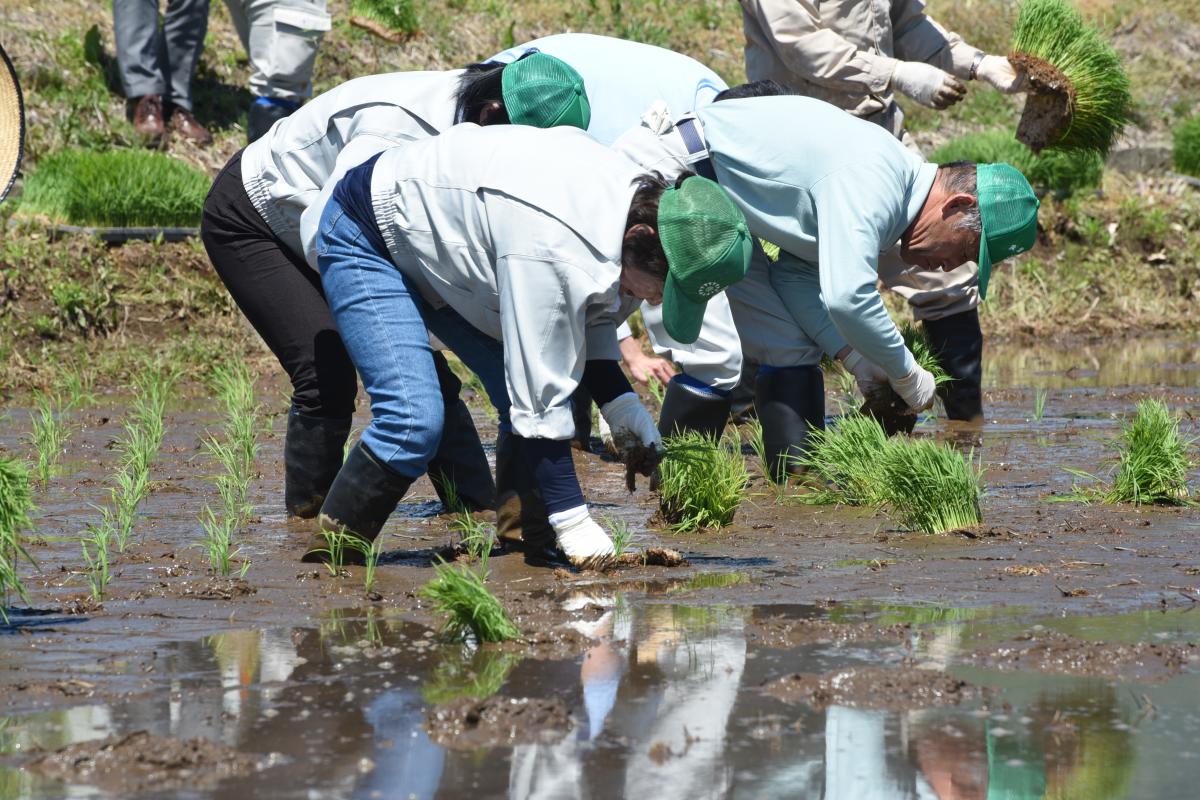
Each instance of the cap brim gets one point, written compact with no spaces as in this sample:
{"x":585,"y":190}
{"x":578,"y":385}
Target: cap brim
{"x":985,"y":265}
{"x":682,"y":316}
{"x":12,"y":125}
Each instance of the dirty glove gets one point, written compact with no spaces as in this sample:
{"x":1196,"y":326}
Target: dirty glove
{"x":917,"y":388}
{"x":869,"y":376}
{"x":579,"y":536}
{"x":999,"y":72}
{"x":631,"y":423}
{"x":927,"y":84}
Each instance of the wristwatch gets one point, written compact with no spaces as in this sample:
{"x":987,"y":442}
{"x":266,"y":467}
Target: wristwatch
{"x":975,"y":62}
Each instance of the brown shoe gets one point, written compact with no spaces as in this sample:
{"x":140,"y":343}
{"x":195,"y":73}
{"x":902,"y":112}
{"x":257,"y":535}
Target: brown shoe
{"x":148,"y":117}
{"x":183,"y":123}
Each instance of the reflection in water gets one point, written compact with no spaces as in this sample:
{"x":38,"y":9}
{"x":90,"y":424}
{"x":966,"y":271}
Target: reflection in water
{"x":1136,"y":362}
{"x":665,"y":705}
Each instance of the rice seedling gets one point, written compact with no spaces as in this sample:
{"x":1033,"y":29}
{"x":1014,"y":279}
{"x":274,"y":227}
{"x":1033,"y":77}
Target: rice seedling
{"x":78,"y":386}
{"x":133,"y":485}
{"x":657,"y":390}
{"x":336,"y":544}
{"x":701,"y":481}
{"x":115,"y":188}
{"x":621,"y":534}
{"x":1186,"y":149}
{"x":371,"y":552}
{"x":930,"y":485}
{"x":95,"y":546}
{"x":461,"y":593}
{"x":393,"y":19}
{"x":847,"y":455}
{"x":1058,"y":171}
{"x":918,"y":344}
{"x":471,"y":672}
{"x":1039,"y":403}
{"x":1079,"y":93}
{"x":49,"y":434}
{"x":1153,"y":458}
{"x":477,"y":538}
{"x":219,"y":530}
{"x":16,"y":503}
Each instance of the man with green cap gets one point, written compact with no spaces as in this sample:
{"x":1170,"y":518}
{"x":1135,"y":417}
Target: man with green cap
{"x":251,"y":229}
{"x":834,"y":192}
{"x":521,"y":250}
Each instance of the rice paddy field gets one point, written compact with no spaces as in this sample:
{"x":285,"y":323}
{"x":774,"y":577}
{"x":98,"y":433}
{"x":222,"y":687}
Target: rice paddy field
{"x":994,"y":610}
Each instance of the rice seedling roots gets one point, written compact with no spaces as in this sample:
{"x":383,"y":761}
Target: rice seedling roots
{"x":1048,"y":105}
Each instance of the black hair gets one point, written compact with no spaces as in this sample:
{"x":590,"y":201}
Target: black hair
{"x":646,"y":250}
{"x":478,"y":88}
{"x":754,"y":89}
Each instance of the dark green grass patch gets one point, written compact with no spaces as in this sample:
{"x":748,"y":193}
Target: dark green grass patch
{"x":1187,"y":146}
{"x":16,"y":502}
{"x":397,"y":16}
{"x":115,"y":188}
{"x":931,"y":486}
{"x":1057,"y":171}
{"x":1153,"y":461}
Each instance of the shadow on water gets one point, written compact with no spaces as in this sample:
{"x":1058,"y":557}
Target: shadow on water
{"x":667,"y":702}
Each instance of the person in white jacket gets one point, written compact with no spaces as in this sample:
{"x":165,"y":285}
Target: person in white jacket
{"x":520,"y":249}
{"x":251,"y":230}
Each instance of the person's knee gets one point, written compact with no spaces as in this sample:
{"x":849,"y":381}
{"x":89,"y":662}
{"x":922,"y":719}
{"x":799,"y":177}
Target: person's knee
{"x":326,"y":384}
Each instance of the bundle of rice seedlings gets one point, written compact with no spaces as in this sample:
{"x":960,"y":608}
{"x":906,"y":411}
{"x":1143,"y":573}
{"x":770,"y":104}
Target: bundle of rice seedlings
{"x":461,"y":593}
{"x":847,"y":454}
{"x":886,"y":406}
{"x":701,"y":481}
{"x":394,"y":20}
{"x":16,"y":503}
{"x":1078,"y":90}
{"x":1062,"y":172}
{"x":1153,"y":463}
{"x":1186,"y":152}
{"x":115,"y":188}
{"x":930,"y":485}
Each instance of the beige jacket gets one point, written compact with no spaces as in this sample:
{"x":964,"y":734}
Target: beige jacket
{"x":845,"y":51}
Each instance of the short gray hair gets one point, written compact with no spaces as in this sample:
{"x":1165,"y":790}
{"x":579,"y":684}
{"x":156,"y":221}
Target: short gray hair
{"x":956,"y":177}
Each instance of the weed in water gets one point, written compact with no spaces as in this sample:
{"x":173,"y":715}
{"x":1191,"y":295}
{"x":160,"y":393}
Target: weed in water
{"x":1186,"y":151}
{"x":1039,"y":403}
{"x":461,"y":592}
{"x":701,"y":481}
{"x":847,"y":455}
{"x":1153,"y":457}
{"x":48,"y":436}
{"x":16,"y":503}
{"x":930,"y":485}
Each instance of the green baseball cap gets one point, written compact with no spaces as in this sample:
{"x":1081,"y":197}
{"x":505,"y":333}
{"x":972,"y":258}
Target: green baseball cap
{"x":1008,"y":210}
{"x":707,"y":245}
{"x":544,"y":91}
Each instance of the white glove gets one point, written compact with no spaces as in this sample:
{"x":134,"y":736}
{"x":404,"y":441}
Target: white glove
{"x":999,"y":72}
{"x":869,"y":375}
{"x":917,"y":388}
{"x":579,"y":536}
{"x":606,"y":437}
{"x":630,"y":422}
{"x":927,"y":84}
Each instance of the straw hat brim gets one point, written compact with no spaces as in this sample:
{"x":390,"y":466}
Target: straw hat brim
{"x":12,"y":125}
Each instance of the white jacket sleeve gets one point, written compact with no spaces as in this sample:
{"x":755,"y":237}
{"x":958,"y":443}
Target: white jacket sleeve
{"x":917,"y":37}
{"x":852,"y":221}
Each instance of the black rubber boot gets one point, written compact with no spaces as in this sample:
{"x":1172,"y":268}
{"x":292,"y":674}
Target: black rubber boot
{"x":581,"y":410}
{"x":686,"y":408}
{"x":460,"y":459}
{"x":361,"y":499}
{"x":958,"y":343}
{"x":312,"y":456}
{"x":741,"y":399}
{"x":789,"y":402}
{"x":521,"y":516}
{"x":261,"y":117}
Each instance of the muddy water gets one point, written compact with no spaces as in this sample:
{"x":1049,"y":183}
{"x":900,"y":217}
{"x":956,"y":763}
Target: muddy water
{"x":805,"y":652}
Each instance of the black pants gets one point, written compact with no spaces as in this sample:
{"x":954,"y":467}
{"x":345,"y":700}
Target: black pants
{"x":280,"y":295}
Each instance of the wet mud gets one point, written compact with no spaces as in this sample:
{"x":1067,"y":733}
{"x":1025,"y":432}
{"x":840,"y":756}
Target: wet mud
{"x":467,"y":724}
{"x":1054,"y":651}
{"x":871,"y":687}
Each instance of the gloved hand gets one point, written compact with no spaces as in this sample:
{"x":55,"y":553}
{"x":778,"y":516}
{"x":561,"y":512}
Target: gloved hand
{"x":927,"y":84}
{"x":869,"y":375}
{"x":580,"y":537}
{"x":917,"y":388}
{"x":631,"y":423}
{"x":999,"y":72}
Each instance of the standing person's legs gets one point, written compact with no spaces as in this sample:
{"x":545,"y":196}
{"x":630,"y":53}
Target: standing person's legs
{"x":184,"y":26}
{"x":282,"y":298}
{"x":139,"y":46}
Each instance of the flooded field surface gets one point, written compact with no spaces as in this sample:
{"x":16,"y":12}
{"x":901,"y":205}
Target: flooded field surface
{"x":801,"y":652}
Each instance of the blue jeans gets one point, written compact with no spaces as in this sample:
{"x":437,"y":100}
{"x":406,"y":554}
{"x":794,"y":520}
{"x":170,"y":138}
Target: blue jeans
{"x":385,"y":326}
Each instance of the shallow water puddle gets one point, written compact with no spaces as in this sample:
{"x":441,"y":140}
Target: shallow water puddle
{"x":671,"y":700}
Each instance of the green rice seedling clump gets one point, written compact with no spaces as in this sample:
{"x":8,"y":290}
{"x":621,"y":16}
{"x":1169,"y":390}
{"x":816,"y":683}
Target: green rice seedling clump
{"x":49,"y":434}
{"x":1057,"y":171}
{"x":1153,"y":463}
{"x":16,"y":503}
{"x":1186,"y":152}
{"x":1100,"y":103}
{"x":930,"y":485}
{"x":701,"y":481}
{"x":918,"y":344}
{"x":116,"y":188}
{"x":847,"y":454}
{"x":461,"y":593}
{"x":399,"y":16}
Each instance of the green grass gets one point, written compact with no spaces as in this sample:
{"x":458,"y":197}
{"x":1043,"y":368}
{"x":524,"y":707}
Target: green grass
{"x":460,"y":592}
{"x":399,"y":16}
{"x":701,"y":482}
{"x":1054,"y":31}
{"x":931,"y":486}
{"x":1186,"y":152}
{"x":16,"y":503}
{"x":1057,"y":171}
{"x":1153,"y":458}
{"x":848,"y":455}
{"x":115,"y":188}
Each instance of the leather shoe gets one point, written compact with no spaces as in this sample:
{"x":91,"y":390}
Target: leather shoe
{"x":148,"y":117}
{"x":183,"y":123}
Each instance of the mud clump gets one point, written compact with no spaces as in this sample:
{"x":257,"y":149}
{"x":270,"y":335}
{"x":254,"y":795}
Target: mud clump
{"x":1051,"y":651}
{"x":467,"y":724}
{"x":640,"y":459}
{"x":888,"y":408}
{"x":650,"y":557}
{"x":871,"y":687}
{"x":213,"y":587}
{"x":1049,"y":104}
{"x":139,"y":762}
